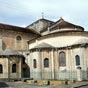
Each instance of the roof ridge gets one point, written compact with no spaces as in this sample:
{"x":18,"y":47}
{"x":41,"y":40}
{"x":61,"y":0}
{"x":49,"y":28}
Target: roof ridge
{"x":5,"y":26}
{"x":39,"y":20}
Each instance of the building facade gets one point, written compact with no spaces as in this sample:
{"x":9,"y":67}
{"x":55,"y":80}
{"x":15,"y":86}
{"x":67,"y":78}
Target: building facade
{"x":44,"y":50}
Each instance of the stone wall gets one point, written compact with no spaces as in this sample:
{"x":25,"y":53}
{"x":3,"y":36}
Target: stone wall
{"x":9,"y":39}
{"x":7,"y":63}
{"x":4,"y":63}
{"x":60,"y":39}
{"x":40,"y":25}
{"x":54,"y":71}
{"x":15,"y":60}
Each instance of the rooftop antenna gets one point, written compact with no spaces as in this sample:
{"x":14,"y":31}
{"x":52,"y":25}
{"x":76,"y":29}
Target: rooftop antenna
{"x":42,"y":15}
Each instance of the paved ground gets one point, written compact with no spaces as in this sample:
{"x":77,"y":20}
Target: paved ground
{"x":25,"y":85}
{"x":84,"y":86}
{"x":22,"y":85}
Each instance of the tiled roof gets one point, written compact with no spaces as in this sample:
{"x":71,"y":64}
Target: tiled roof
{"x":81,"y":41}
{"x":40,"y":20}
{"x":64,"y":24}
{"x":61,"y":23}
{"x":9,"y":52}
{"x":16,"y":28}
{"x":43,"y":45}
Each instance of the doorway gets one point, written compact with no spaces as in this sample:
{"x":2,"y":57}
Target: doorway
{"x":25,"y":69}
{"x":26,"y":72}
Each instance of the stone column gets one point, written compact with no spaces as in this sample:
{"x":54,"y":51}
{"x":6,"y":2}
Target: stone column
{"x":30,"y":64}
{"x":6,"y":67}
{"x":40,"y":56}
{"x":71,"y":64}
{"x":52,"y":60}
{"x":20,"y":69}
{"x":39,"y":64}
{"x":83,"y":61}
{"x":42,"y":74}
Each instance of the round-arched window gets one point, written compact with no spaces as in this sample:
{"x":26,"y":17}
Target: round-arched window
{"x":14,"y":68}
{"x":34,"y":63}
{"x":77,"y":59}
{"x":46,"y":62}
{"x":18,"y":38}
{"x":62,"y":59}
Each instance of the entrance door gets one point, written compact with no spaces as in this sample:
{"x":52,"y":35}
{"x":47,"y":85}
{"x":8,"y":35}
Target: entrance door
{"x":26,"y":72}
{"x":25,"y":69}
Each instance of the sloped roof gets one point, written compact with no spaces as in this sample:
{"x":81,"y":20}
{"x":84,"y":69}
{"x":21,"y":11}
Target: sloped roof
{"x":43,"y":45}
{"x":9,"y":52}
{"x":16,"y":28}
{"x":64,"y":24}
{"x":46,"y":20}
{"x":61,"y":23}
{"x":80,"y":41}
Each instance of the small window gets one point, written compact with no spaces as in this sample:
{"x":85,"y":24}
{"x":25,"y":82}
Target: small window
{"x":34,"y":63}
{"x":77,"y":58}
{"x":62,"y":59}
{"x":46,"y":62}
{"x":18,"y":38}
{"x":1,"y":69}
{"x":14,"y":68}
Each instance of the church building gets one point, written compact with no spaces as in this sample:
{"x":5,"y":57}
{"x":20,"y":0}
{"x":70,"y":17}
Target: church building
{"x":44,"y":50}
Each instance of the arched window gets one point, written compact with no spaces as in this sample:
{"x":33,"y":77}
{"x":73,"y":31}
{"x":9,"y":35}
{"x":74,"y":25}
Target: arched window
{"x":18,"y":38}
{"x":34,"y":63}
{"x":62,"y":59}
{"x":77,"y":59}
{"x":1,"y":69}
{"x":14,"y":68}
{"x":46,"y":62}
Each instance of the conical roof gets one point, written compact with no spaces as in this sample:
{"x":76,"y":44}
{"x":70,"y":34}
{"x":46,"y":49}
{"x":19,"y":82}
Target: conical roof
{"x":81,"y":41}
{"x":43,"y":45}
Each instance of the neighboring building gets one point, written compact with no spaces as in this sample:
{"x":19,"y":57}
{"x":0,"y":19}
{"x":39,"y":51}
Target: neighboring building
{"x":44,"y":50}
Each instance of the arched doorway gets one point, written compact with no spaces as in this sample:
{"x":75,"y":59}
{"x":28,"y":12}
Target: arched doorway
{"x":26,"y":72}
{"x":25,"y":69}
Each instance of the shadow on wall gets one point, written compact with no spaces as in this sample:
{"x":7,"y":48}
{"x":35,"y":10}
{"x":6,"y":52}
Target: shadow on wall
{"x":3,"y":46}
{"x":3,"y":84}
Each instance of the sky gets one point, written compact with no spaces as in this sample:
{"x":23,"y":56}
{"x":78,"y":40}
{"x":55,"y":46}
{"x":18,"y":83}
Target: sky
{"x":24,"y":12}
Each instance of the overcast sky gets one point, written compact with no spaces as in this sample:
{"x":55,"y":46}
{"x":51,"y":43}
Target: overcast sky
{"x":24,"y":12}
